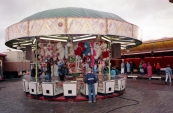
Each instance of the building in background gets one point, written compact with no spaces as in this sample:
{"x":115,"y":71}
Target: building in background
{"x":152,"y":51}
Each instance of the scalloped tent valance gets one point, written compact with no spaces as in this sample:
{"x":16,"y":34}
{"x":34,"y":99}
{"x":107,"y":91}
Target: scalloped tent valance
{"x":72,"y":22}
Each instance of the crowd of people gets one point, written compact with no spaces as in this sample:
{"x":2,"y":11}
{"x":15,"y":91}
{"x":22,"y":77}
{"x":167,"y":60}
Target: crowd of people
{"x":146,"y":69}
{"x":127,"y":68}
{"x":62,"y":70}
{"x":90,"y":76}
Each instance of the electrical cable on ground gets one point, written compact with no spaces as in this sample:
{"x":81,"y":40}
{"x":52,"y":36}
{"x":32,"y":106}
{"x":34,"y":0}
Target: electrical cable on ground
{"x":137,"y":102}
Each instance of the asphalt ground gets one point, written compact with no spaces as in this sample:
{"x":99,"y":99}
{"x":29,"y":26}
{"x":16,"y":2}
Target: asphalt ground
{"x":141,"y":96}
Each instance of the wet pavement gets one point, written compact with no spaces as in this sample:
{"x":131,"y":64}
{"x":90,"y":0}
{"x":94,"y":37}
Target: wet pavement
{"x":141,"y":96}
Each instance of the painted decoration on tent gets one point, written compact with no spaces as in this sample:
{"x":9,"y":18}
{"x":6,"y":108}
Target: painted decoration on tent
{"x":81,"y":25}
{"x":137,"y":32}
{"x":86,"y":26}
{"x":18,"y":30}
{"x":119,"y":28}
{"x":50,"y":26}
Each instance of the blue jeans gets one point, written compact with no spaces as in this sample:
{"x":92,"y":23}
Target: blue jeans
{"x":168,"y":76}
{"x":48,"y":76}
{"x":91,"y":87}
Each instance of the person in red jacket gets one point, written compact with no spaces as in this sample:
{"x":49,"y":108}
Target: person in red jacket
{"x":158,"y":69}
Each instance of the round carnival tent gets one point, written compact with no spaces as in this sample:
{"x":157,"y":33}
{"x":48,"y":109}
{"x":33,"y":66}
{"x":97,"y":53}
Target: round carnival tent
{"x":62,"y":23}
{"x":56,"y":33}
{"x":74,"y":23}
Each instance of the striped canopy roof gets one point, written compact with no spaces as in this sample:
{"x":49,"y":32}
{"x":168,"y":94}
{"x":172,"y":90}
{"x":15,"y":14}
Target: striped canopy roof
{"x":164,"y":44}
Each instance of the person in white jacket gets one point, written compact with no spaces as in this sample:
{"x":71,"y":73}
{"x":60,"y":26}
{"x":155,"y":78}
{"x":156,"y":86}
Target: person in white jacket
{"x":122,"y":67}
{"x":168,"y":72}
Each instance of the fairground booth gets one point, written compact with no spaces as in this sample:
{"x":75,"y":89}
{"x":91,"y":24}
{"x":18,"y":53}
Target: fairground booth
{"x":79,"y":38}
{"x":152,"y":51}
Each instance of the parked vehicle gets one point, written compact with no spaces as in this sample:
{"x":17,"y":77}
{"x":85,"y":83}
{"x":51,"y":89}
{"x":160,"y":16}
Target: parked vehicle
{"x":15,"y":64}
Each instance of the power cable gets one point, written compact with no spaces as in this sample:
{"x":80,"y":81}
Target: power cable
{"x":137,"y":102}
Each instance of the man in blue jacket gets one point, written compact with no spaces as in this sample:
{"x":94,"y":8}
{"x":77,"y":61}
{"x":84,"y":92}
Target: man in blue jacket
{"x":90,"y":79}
{"x":168,"y":72}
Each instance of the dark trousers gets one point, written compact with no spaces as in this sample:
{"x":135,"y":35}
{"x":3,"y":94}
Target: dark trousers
{"x":145,"y":70}
{"x":131,"y":69}
{"x":61,"y":77}
{"x":48,"y":76}
{"x":125,"y":70}
{"x":158,"y":72}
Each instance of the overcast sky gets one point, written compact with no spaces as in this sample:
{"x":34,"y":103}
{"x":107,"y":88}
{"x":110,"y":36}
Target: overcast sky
{"x":154,"y":17}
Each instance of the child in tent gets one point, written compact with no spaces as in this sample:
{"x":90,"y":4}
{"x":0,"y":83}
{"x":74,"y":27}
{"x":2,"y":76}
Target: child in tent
{"x":113,"y":73}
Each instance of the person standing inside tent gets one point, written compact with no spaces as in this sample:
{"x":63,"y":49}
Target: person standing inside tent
{"x":149,"y":71}
{"x":144,"y":66}
{"x":33,"y":73}
{"x":141,"y":68}
{"x":158,"y":69}
{"x":125,"y":68}
{"x":106,"y":70}
{"x":122,"y":67}
{"x":95,"y":69}
{"x":113,"y":73}
{"x":131,"y":67}
{"x":61,"y":70}
{"x":128,"y":67}
{"x":48,"y":71}
{"x":168,"y":72}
